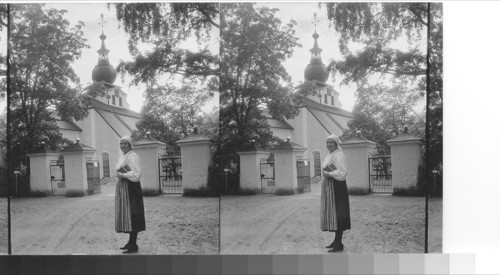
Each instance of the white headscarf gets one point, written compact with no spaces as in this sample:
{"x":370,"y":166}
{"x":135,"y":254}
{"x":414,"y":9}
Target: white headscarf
{"x":127,"y":139}
{"x":336,"y":139}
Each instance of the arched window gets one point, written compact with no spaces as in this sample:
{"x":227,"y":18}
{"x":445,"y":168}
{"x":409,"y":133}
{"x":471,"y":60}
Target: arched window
{"x":105,"y":165}
{"x":333,"y":103}
{"x":326,"y":99}
{"x":113,"y":101}
{"x":317,"y":164}
{"x":120,"y":100}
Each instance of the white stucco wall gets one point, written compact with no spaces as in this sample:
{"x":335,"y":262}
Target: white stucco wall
{"x":250,"y":170}
{"x":76,"y":172}
{"x":149,"y":163}
{"x":40,"y":172}
{"x":357,"y":167}
{"x":405,"y":158}
{"x":195,"y":159}
{"x":285,"y":162}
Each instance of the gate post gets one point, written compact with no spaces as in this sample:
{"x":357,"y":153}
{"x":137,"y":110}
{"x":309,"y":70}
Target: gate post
{"x":195,"y":160}
{"x":285,"y":163}
{"x":149,"y":149}
{"x":40,"y":182}
{"x":75,"y":168}
{"x":250,"y":177}
{"x":405,"y":156}
{"x":357,"y":150}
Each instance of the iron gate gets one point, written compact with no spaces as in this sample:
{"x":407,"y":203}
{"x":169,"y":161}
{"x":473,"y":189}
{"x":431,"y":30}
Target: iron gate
{"x":93,"y":177}
{"x":380,"y":175}
{"x":57,"y":178}
{"x":303,"y":176}
{"x":170,"y":178}
{"x":267,"y":182}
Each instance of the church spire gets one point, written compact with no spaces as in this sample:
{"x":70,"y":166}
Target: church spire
{"x":103,"y":52}
{"x":103,"y":71}
{"x":316,"y":50}
{"x":316,"y":70}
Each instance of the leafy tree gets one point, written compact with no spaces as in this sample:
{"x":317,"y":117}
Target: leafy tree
{"x":166,"y":26}
{"x":376,"y":29}
{"x":254,"y":45}
{"x":43,"y":85}
{"x":382,"y":112}
{"x":171,"y":113}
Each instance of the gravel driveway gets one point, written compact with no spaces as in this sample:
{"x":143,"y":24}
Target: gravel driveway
{"x":85,"y":225}
{"x":269,"y":224}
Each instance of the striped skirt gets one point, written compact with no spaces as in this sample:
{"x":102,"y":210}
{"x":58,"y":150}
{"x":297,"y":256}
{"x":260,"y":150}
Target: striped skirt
{"x":334,"y":209}
{"x":129,"y":207}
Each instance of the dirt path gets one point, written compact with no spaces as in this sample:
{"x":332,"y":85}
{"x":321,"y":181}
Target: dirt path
{"x":269,"y":224}
{"x":60,"y":225}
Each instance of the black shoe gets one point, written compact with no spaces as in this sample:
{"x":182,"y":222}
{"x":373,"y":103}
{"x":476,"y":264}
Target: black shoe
{"x":125,"y":246}
{"x":329,"y":246}
{"x":336,"y":248}
{"x":131,"y":249}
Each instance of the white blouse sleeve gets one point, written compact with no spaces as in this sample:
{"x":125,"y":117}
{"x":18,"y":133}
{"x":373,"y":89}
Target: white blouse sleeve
{"x":135,"y":172}
{"x":341,"y":172}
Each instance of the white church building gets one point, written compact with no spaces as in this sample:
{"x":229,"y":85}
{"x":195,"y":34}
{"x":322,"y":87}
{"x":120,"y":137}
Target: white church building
{"x":108,"y":120}
{"x":320,"y":115}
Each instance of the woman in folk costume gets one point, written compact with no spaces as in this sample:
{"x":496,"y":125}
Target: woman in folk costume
{"x":335,"y":213}
{"x":129,"y":204}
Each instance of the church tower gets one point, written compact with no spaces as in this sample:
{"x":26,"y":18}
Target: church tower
{"x":317,"y":71}
{"x":106,"y":73}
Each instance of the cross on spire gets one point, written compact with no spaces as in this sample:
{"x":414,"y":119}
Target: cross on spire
{"x":102,"y":23}
{"x":315,"y":20}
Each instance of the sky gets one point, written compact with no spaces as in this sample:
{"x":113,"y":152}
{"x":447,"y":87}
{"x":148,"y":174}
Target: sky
{"x":303,"y":14}
{"x":116,"y":42}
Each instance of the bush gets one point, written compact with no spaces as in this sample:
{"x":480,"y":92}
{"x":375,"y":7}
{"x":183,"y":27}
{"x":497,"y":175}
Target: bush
{"x":284,"y":192}
{"x":358,"y":191}
{"x":248,"y":192}
{"x":74,"y":193}
{"x":150,"y":192}
{"x":38,"y":194}
{"x":201,"y":192}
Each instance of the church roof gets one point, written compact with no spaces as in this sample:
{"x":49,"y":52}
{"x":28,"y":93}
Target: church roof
{"x":274,"y":123}
{"x":122,"y":121}
{"x":71,"y":126}
{"x":327,"y":116}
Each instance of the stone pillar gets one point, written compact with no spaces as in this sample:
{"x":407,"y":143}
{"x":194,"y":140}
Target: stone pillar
{"x":250,"y":176}
{"x":195,"y":160}
{"x":75,"y":158}
{"x":285,"y":165}
{"x":40,"y":183}
{"x":405,"y":159}
{"x":357,"y":150}
{"x":148,"y":150}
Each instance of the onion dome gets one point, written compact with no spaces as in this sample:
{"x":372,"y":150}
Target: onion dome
{"x":103,"y":71}
{"x":316,"y":70}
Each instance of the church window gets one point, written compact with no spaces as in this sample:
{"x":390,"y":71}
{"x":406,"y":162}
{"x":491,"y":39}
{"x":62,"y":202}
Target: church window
{"x":113,"y":100}
{"x":333,"y":103}
{"x":317,"y":164}
{"x":326,"y":99}
{"x":105,"y":165}
{"x":120,"y":101}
